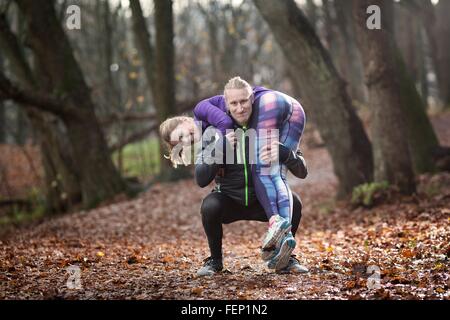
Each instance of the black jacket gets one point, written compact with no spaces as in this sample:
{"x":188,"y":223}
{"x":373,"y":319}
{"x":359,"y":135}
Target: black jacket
{"x":236,"y":180}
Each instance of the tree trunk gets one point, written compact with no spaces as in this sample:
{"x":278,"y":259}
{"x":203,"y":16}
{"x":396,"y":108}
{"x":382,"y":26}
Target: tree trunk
{"x":311,"y":13}
{"x":350,"y":59}
{"x":422,"y":139}
{"x":407,"y":35}
{"x":212,"y":21}
{"x":62,"y":187}
{"x":2,"y":123}
{"x":2,"y":113}
{"x":230,"y":44}
{"x":391,"y":152}
{"x":143,"y":43}
{"x":158,"y":64}
{"x":324,"y":94}
{"x":112,"y":91}
{"x":165,"y":85}
{"x":99,"y":179}
{"x":413,"y":39}
{"x":21,"y":127}
{"x":443,"y":48}
{"x":437,"y":25}
{"x":330,"y":36}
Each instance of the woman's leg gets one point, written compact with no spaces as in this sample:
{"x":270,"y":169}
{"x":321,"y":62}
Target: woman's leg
{"x":290,"y":135}
{"x":270,"y":112}
{"x":276,"y":111}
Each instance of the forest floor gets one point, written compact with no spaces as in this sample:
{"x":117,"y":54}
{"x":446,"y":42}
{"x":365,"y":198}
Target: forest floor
{"x":150,"y":247}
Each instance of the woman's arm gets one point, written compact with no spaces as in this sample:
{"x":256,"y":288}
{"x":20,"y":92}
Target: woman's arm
{"x":206,"y":166}
{"x":209,"y":111}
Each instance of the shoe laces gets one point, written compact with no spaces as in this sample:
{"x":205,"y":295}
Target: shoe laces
{"x":294,"y":257}
{"x":209,"y":261}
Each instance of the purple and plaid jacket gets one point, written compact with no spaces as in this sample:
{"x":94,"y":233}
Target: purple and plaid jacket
{"x":213,"y":111}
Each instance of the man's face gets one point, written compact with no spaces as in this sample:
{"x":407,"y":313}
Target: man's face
{"x":239,"y":102}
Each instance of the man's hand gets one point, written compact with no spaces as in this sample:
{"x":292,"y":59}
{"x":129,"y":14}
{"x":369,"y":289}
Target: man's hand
{"x":231,"y":137}
{"x":270,"y":152}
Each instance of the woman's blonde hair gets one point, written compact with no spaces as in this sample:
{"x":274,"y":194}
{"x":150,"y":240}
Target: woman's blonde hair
{"x":165,"y":130}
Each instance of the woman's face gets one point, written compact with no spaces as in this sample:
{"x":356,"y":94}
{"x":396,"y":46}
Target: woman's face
{"x":183,"y":133}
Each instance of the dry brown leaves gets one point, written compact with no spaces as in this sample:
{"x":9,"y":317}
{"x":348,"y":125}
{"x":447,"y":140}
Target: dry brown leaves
{"x":150,"y":248}
{"x":20,"y":170}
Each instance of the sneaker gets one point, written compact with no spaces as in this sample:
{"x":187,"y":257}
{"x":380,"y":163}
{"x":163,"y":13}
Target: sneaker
{"x":268,"y":254}
{"x":293,"y":266}
{"x":281,"y":259}
{"x":210,"y":267}
{"x":278,"y":228}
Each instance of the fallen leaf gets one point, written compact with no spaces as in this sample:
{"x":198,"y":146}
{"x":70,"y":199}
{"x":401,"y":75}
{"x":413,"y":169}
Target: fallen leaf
{"x":407,"y":253}
{"x":197,"y":291}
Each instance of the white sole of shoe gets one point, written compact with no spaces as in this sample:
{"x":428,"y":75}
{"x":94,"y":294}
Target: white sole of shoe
{"x":267,"y":255}
{"x":281,"y":260}
{"x":274,"y":241}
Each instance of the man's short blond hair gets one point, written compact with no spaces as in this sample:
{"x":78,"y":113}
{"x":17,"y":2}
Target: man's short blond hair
{"x":237,"y":83}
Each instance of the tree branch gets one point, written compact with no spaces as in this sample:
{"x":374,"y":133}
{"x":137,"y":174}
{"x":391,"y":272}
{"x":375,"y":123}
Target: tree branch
{"x":10,"y":46}
{"x":28,"y":98}
{"x":126,"y":117}
{"x":181,"y":107}
{"x":137,"y":136}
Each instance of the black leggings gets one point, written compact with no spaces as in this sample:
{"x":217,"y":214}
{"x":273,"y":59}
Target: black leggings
{"x":218,"y":209}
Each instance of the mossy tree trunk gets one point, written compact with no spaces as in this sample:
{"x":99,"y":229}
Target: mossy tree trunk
{"x":99,"y":179}
{"x":61,"y":184}
{"x":392,"y":157}
{"x":324,"y":94}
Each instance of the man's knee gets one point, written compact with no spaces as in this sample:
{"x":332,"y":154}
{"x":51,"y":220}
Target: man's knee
{"x":211,"y":208}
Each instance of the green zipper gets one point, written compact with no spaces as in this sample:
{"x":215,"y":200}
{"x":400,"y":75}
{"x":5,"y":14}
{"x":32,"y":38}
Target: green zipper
{"x":245,"y":168}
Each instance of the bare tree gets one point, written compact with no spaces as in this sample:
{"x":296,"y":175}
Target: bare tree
{"x":164,"y":57}
{"x":443,"y":48}
{"x":62,"y":187}
{"x":2,"y":113}
{"x":390,"y":144}
{"x":437,"y":26}
{"x":349,"y":58}
{"x":324,"y":94}
{"x":312,"y":13}
{"x":70,"y":101}
{"x":422,"y":140}
{"x":143,"y":42}
{"x":159,"y":65}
